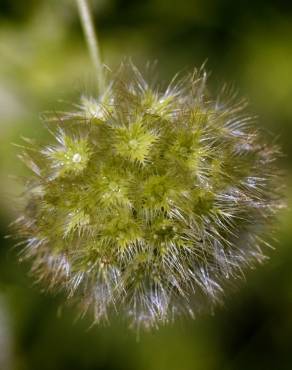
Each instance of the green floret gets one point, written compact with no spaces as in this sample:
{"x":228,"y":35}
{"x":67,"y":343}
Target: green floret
{"x":133,"y":142}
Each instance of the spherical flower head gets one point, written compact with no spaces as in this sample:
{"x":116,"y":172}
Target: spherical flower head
{"x":149,"y":201}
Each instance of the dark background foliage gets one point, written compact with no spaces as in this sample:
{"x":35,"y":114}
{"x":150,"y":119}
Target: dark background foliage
{"x":44,"y":65}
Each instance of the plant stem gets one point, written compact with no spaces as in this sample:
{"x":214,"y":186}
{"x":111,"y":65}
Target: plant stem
{"x":91,"y":39}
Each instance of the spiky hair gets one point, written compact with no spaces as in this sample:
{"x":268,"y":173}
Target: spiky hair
{"x":149,"y":201}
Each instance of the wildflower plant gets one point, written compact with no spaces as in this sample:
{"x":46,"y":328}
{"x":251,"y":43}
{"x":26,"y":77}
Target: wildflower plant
{"x":149,"y":201}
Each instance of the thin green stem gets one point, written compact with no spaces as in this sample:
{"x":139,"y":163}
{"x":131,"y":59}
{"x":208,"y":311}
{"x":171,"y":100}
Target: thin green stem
{"x":91,"y":39}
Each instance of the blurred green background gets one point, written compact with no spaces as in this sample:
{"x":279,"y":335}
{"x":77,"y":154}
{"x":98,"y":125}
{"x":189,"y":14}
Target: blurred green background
{"x":44,"y":65}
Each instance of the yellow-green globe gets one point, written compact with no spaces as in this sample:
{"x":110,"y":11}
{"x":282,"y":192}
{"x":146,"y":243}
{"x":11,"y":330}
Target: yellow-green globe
{"x":149,"y":201}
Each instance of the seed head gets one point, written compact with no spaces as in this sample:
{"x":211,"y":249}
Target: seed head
{"x":149,"y":201}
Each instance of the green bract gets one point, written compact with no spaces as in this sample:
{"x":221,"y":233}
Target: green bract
{"x":149,"y":201}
